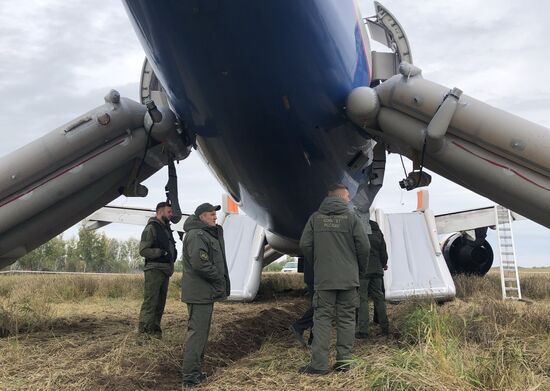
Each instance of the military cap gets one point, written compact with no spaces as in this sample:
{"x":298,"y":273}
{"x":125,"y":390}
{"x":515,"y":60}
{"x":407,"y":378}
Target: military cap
{"x":206,"y":207}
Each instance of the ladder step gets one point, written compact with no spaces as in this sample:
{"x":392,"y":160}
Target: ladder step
{"x":508,"y":288}
{"x":509,"y":279}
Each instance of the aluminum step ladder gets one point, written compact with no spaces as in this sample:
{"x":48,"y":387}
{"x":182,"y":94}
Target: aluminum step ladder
{"x":509,"y":275}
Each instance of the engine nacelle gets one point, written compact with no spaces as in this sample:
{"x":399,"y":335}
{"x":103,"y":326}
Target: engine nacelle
{"x":466,"y":256}
{"x":282,"y":244}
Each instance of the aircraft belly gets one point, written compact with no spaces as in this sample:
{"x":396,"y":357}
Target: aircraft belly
{"x":279,"y":184}
{"x":263,"y":85}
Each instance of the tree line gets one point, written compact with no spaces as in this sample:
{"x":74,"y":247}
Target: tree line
{"x":94,"y":252}
{"x":89,"y":251}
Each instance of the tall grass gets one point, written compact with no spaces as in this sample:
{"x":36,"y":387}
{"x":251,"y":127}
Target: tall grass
{"x":533,"y":286}
{"x":26,"y":315}
{"x":75,"y":288}
{"x":492,"y":345}
{"x":476,"y":342}
{"x":276,"y":283}
{"x":26,"y":301}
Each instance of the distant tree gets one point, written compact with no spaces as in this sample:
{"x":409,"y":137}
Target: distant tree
{"x":131,"y":250}
{"x":90,"y":251}
{"x":50,"y":256}
{"x":73,"y":261}
{"x":118,"y":260}
{"x":92,"y":247}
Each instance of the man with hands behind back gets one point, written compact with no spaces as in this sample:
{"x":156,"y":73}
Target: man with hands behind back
{"x":205,"y":280}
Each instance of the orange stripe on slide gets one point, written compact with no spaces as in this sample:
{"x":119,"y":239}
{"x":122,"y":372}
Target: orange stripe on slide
{"x":419,"y":200}
{"x":232,"y":206}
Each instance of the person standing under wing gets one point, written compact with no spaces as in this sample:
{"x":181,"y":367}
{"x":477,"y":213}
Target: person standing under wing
{"x":372,"y":285}
{"x":336,"y":245}
{"x":205,"y":280}
{"x":158,"y":247}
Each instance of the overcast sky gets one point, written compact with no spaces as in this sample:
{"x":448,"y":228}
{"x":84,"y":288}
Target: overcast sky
{"x":58,"y":59}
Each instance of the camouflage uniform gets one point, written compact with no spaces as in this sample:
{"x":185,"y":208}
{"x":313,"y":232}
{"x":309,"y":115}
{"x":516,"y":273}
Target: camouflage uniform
{"x":335,"y":243}
{"x":372,"y":284}
{"x":205,"y":280}
{"x":158,"y":248}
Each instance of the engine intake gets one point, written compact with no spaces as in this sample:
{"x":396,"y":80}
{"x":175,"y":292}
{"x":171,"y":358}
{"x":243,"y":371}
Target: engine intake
{"x":466,"y":256}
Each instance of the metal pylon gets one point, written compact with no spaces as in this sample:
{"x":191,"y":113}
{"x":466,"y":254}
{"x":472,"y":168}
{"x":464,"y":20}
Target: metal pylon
{"x":509,"y":275}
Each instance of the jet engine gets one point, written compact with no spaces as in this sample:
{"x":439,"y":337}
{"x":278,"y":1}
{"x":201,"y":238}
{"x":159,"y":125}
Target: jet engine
{"x":465,"y":255}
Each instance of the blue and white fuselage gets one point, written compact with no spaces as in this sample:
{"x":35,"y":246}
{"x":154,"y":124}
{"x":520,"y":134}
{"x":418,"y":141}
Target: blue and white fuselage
{"x":263,"y":85}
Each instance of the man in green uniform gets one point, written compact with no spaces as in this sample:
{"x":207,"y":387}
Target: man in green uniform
{"x":335,"y":243}
{"x":205,"y":280}
{"x":158,"y":248}
{"x":372,"y":285}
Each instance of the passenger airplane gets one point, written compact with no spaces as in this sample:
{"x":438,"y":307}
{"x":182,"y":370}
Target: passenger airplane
{"x":246,"y":83}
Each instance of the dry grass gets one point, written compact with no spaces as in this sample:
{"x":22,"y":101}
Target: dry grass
{"x":77,"y":333}
{"x":534,"y":286}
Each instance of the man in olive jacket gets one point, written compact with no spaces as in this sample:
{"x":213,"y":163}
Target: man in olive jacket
{"x":158,"y":247}
{"x":205,"y":280}
{"x":372,"y":285}
{"x":335,"y":243}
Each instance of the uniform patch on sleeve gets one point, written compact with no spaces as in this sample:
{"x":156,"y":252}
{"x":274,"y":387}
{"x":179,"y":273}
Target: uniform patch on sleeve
{"x":203,"y":255}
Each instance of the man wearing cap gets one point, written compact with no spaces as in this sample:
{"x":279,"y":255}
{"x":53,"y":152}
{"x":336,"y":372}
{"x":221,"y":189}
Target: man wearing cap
{"x":158,"y":248}
{"x":205,"y":280}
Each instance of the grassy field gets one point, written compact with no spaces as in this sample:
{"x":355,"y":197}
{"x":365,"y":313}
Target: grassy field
{"x":78,"y":333}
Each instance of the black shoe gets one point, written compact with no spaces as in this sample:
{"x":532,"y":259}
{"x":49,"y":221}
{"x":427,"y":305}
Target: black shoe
{"x":297,"y":334}
{"x":193,"y":382}
{"x":143,"y":338}
{"x":385,"y":331}
{"x":312,"y":371}
{"x":190,"y":383}
{"x":150,"y":334}
{"x":341,"y":366}
{"x":361,"y":335}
